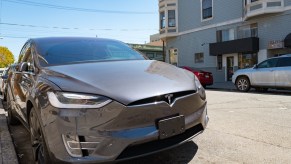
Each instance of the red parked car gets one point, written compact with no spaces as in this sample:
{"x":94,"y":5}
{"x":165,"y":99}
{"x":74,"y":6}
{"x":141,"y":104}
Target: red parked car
{"x":204,"y":77}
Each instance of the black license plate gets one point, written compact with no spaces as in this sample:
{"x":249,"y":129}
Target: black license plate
{"x":171,"y":126}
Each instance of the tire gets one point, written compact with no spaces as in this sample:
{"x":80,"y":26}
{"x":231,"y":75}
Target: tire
{"x":39,"y":148}
{"x":11,"y":119}
{"x":243,"y":84}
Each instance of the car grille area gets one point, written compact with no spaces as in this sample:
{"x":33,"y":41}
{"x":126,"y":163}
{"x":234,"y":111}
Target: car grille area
{"x":154,"y":146}
{"x":162,"y":98}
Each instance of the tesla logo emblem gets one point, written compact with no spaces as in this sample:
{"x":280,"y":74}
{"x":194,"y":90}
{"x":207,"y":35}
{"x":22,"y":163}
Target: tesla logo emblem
{"x":169,"y":97}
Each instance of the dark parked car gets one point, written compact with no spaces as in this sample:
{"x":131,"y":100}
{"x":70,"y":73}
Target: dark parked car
{"x":205,"y":78}
{"x":2,"y":72}
{"x":90,"y":100}
{"x":4,"y":78}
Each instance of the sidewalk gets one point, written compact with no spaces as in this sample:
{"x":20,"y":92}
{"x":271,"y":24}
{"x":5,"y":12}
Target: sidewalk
{"x":229,"y":86}
{"x":7,"y":150}
{"x":222,"y":86}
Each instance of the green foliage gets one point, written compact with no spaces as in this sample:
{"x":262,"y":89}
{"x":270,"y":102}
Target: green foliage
{"x":6,"y":57}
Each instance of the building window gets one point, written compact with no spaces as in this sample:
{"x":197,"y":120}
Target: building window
{"x":219,"y":62}
{"x":225,"y":35}
{"x":206,"y":9}
{"x":162,"y":20}
{"x":199,"y":58}
{"x":247,"y":60}
{"x":159,"y":57}
{"x":254,"y":30}
{"x":150,"y":55}
{"x":247,"y":31}
{"x":171,"y":18}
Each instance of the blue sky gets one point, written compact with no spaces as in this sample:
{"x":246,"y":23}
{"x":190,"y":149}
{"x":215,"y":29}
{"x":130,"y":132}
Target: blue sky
{"x":131,"y":21}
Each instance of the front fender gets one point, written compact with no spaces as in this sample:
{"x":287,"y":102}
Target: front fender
{"x":38,"y":97}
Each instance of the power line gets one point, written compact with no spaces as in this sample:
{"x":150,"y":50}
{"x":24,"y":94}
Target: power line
{"x":31,"y":3}
{"x":16,"y":37}
{"x":27,"y":37}
{"x":72,"y":28}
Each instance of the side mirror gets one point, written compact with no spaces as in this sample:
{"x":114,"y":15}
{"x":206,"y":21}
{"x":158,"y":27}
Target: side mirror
{"x":255,"y":66}
{"x":23,"y":67}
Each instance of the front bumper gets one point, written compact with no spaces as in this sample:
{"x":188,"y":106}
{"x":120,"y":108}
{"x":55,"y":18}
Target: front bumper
{"x":115,"y":131}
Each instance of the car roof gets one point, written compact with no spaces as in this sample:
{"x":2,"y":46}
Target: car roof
{"x":286,"y":55}
{"x":282,"y":56}
{"x":53,"y":39}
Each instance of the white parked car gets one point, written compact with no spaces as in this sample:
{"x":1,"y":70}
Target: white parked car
{"x":271,"y":73}
{"x":1,"y":80}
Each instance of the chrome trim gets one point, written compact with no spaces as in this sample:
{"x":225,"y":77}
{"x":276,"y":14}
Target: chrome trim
{"x":160,"y":102}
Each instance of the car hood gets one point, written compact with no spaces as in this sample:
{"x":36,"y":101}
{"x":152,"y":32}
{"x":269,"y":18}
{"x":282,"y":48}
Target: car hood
{"x":123,"y":81}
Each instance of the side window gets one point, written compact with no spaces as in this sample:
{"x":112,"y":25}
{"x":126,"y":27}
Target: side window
{"x":273,"y":63}
{"x":268,"y":63}
{"x":263,"y":64}
{"x":284,"y":62}
{"x":22,"y":52}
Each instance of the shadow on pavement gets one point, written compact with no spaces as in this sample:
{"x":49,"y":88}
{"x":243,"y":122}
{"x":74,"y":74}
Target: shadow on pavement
{"x":21,"y":139}
{"x":181,"y":154}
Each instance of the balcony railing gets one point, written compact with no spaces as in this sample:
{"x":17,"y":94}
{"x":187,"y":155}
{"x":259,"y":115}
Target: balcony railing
{"x":260,"y":7}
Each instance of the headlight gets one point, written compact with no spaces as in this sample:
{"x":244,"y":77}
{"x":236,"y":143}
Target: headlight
{"x":76,"y":100}
{"x":200,"y":88}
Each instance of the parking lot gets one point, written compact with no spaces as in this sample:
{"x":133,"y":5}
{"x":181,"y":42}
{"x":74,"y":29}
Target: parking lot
{"x":243,"y":128}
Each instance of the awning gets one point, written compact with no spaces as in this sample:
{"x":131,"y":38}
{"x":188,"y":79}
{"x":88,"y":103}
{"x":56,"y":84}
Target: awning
{"x":245,"y":45}
{"x":287,"y":41}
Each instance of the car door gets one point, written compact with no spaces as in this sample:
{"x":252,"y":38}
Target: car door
{"x":263,"y":74}
{"x":283,"y":72}
{"x":23,"y":81}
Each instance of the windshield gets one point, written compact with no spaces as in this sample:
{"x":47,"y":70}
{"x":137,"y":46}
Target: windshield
{"x":82,"y":50}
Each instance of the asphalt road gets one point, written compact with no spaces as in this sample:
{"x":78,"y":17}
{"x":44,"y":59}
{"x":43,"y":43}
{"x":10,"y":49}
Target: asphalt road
{"x":243,"y":128}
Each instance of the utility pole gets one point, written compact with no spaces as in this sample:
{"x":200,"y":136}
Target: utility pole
{"x":164,"y":55}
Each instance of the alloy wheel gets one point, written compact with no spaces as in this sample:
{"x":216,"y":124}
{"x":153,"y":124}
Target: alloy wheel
{"x":243,"y":84}
{"x":37,"y":140}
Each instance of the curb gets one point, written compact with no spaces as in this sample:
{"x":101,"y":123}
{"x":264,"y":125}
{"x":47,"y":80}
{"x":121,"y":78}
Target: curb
{"x":7,"y":149}
{"x":222,"y":89}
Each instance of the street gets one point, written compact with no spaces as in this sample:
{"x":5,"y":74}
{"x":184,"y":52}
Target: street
{"x":243,"y":128}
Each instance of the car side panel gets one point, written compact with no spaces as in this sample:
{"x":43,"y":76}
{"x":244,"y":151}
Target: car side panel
{"x":283,"y":77}
{"x":263,"y":77}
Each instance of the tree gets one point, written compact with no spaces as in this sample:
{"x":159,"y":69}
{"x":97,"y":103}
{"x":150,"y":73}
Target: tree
{"x":6,"y":57}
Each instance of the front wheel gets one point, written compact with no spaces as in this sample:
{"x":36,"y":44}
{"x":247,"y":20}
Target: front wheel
{"x":39,"y":148}
{"x":243,"y":84}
